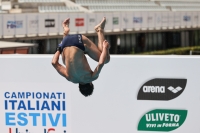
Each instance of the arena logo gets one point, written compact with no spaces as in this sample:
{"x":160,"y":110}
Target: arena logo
{"x":161,"y":89}
{"x":162,"y":120}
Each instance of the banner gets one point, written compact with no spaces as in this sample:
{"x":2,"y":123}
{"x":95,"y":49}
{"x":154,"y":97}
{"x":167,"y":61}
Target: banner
{"x":44,"y":24}
{"x":20,"y":25}
{"x":177,"y":20}
{"x":82,"y":22}
{"x":123,"y":20}
{"x":32,"y":24}
{"x":9,"y":25}
{"x":52,"y":23}
{"x":1,"y":25}
{"x":198,"y":19}
{"x":195,"y":18}
{"x":189,"y":19}
{"x":91,"y":22}
{"x":158,"y":21}
{"x":165,"y":19}
{"x":145,"y":17}
{"x":171,"y":20}
{"x":151,"y":20}
{"x":37,"y":99}
{"x":62,"y":17}
{"x":109,"y":21}
{"x":129,"y":21}
{"x":137,"y":20}
{"x":75,"y":22}
{"x":116,"y":21}
{"x":184,"y":19}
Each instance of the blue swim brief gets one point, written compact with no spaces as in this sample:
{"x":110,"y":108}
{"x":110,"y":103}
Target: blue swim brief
{"x":72,"y":40}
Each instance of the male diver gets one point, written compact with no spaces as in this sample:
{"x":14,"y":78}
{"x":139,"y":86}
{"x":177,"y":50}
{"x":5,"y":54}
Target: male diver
{"x":73,"y":49}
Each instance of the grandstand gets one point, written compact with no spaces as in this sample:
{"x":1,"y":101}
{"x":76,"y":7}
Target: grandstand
{"x":132,"y":25}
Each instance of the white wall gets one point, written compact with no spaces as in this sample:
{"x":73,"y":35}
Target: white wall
{"x":113,"y":107}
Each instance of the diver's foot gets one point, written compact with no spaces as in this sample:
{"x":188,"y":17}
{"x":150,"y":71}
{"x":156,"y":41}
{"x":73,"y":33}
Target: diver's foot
{"x":66,"y":22}
{"x":101,"y":25}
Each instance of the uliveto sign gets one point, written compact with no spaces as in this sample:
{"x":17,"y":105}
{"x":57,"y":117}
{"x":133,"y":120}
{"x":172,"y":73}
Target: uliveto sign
{"x":161,"y":89}
{"x":164,"y":120}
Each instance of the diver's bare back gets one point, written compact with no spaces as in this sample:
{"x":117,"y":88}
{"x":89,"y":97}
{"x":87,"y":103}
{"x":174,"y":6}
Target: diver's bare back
{"x":76,"y":64}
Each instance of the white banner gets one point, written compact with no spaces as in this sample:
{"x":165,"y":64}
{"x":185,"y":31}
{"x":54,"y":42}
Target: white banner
{"x":184,"y":19}
{"x":91,"y":22}
{"x":198,"y":19}
{"x":123,"y":21}
{"x":9,"y":25}
{"x":32,"y":24}
{"x":171,"y":20}
{"x":74,"y":23}
{"x":62,"y":17}
{"x":137,"y":20}
{"x":1,"y":25}
{"x":177,"y":20}
{"x":165,"y":18}
{"x":20,"y":25}
{"x":116,"y":21}
{"x":44,"y":24}
{"x":189,"y":19}
{"x":130,"y":24}
{"x":151,"y":20}
{"x":109,"y":21}
{"x":145,"y":18}
{"x":36,"y":99}
{"x":34,"y":105}
{"x":195,"y":18}
{"x":53,"y":23}
{"x":158,"y":21}
{"x":82,"y":23}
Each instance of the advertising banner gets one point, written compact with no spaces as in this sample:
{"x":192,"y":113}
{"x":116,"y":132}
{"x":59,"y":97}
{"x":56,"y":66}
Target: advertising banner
{"x":165,"y":19}
{"x":123,"y":20}
{"x":1,"y":26}
{"x":158,"y":21}
{"x":171,"y":20}
{"x":75,"y":22}
{"x":189,"y":19}
{"x":82,"y":22}
{"x":184,"y":19}
{"x":177,"y":19}
{"x":145,"y":17}
{"x":21,"y":25}
{"x":151,"y":20}
{"x":44,"y":24}
{"x":9,"y":25}
{"x":37,"y":99}
{"x":35,"y":106}
{"x":62,"y":17}
{"x":32,"y":24}
{"x":109,"y":22}
{"x":91,"y":22}
{"x":137,"y":20}
{"x":129,"y":21}
{"x":198,"y":19}
{"x":116,"y":21}
{"x":195,"y":18}
{"x":52,"y":23}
